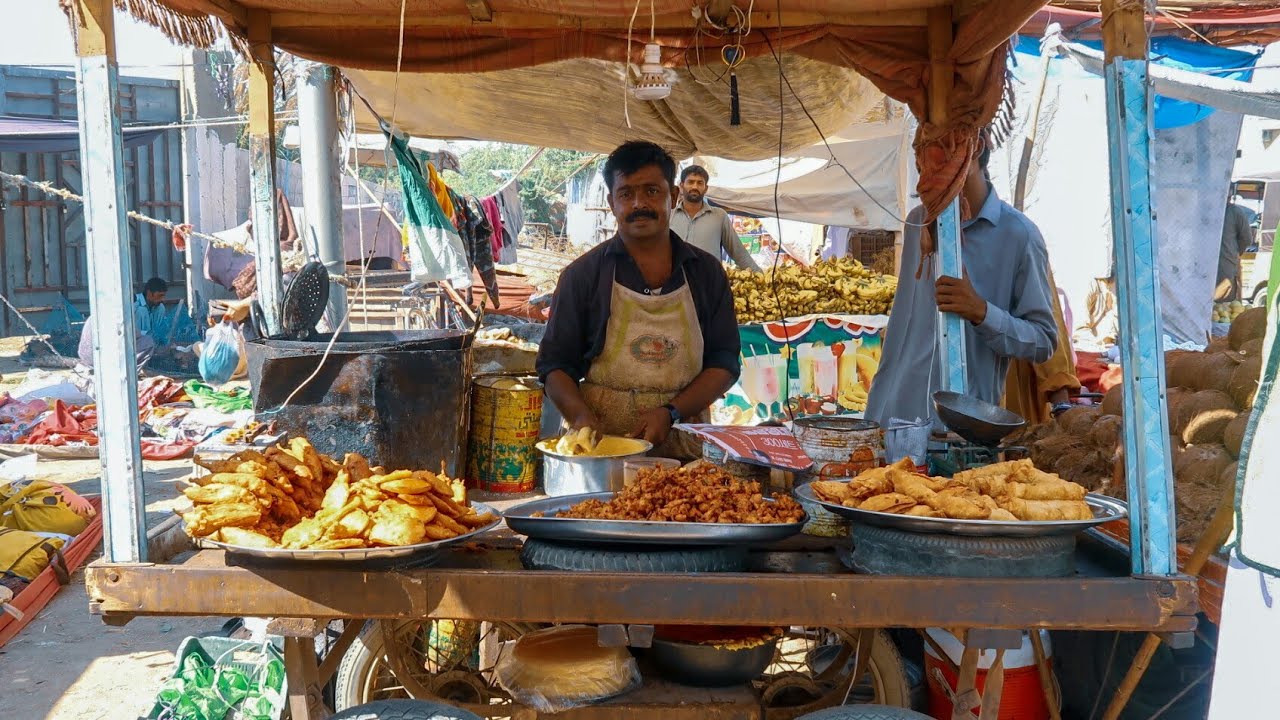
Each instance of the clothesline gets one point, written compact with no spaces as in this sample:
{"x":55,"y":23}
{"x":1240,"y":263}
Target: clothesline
{"x":294,"y":261}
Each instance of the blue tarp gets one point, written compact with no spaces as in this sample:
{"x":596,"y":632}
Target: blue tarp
{"x":1168,"y":51}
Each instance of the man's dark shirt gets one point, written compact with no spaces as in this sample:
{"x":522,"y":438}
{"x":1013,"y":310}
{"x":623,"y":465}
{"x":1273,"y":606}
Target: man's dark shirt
{"x":580,"y":308}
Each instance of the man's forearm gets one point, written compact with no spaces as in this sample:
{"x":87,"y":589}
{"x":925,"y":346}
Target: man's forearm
{"x":698,"y":395}
{"x":566,"y":396}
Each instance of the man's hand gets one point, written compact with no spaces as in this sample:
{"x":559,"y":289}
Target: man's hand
{"x":654,"y":426}
{"x":585,"y":419}
{"x":956,"y":295}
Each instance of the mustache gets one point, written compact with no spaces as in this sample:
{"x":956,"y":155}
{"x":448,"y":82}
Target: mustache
{"x":642,"y":214}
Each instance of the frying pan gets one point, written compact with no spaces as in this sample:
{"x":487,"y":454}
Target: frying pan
{"x":975,"y":420}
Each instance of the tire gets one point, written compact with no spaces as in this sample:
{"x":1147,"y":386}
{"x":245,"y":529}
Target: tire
{"x":356,"y":667}
{"x":543,"y":555}
{"x":404,"y":710}
{"x":864,"y":712}
{"x":890,"y":682}
{"x":882,"y":551}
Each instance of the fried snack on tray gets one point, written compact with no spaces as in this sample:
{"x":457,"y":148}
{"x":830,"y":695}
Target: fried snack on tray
{"x":702,"y":494}
{"x":296,"y":498}
{"x":1007,"y":491}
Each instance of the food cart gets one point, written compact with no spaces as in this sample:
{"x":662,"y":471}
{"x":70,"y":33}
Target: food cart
{"x":944,"y":59}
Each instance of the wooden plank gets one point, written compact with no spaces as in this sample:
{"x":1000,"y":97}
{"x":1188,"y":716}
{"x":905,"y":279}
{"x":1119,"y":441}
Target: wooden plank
{"x":480,"y":10}
{"x":207,"y":585}
{"x":111,"y":282}
{"x":914,"y":16}
{"x":1148,"y":471}
{"x":262,"y":170}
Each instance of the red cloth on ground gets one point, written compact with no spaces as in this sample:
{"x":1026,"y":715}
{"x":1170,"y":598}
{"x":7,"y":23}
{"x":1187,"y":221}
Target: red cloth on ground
{"x":65,"y":425}
{"x":156,"y":450}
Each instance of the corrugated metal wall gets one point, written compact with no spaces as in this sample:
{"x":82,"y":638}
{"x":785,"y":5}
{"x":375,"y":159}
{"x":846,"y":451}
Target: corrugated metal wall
{"x":42,"y":240}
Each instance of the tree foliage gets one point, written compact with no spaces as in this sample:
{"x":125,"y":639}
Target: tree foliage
{"x":542,"y":187}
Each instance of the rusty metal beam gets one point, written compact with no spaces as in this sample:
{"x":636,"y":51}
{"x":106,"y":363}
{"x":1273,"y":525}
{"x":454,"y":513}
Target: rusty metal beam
{"x":206,"y":585}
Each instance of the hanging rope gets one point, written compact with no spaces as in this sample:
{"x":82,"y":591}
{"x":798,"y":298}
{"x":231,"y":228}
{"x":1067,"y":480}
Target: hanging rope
{"x":289,"y":262}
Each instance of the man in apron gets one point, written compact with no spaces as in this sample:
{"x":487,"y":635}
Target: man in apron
{"x":642,"y":333}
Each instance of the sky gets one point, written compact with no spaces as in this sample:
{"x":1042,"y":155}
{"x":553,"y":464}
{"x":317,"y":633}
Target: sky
{"x":42,"y":37}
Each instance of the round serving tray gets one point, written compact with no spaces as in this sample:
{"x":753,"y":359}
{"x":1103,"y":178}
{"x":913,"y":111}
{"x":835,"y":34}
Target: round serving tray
{"x":1105,"y":509}
{"x":642,"y":532}
{"x":360,"y":554}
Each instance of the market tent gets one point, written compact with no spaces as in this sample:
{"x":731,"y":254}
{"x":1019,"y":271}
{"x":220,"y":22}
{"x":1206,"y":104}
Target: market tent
{"x":370,"y":149}
{"x":857,"y":178}
{"x":886,"y":41}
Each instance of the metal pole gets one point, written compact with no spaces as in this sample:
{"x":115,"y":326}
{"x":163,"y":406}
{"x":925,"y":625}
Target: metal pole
{"x":262,"y":167}
{"x":110,"y":282}
{"x":1148,"y":471}
{"x":321,"y":177}
{"x":951,"y":327}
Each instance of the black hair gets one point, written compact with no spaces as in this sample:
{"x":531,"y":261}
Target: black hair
{"x":632,"y":155}
{"x":694,"y":170}
{"x":155,"y":285}
{"x":984,"y":157}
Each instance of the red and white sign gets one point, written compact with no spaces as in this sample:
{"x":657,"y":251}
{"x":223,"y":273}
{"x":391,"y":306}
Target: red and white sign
{"x":770,"y":446}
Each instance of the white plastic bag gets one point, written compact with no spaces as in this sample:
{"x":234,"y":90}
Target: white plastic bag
{"x":223,"y":353}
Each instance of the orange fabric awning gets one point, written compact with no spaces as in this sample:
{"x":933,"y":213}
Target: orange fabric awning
{"x":886,"y":41}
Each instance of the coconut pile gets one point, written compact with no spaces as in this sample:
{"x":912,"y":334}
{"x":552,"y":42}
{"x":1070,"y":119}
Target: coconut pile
{"x":1209,"y":397}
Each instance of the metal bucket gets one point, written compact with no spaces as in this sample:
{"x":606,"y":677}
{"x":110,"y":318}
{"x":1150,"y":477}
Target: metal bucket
{"x":566,"y":475}
{"x":506,"y":416}
{"x":840,"y":448}
{"x":396,"y":397}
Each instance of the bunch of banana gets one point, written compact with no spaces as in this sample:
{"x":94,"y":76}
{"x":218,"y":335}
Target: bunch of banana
{"x":837,"y":287}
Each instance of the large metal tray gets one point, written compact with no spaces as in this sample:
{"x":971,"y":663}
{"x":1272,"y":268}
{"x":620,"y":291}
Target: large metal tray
{"x":1105,"y":509}
{"x":401,"y":552}
{"x":639,"y":532}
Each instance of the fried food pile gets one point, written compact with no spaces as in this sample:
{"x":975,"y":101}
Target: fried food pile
{"x":1006,"y":491}
{"x":841,"y":285}
{"x":297,"y":498}
{"x":695,"y":494}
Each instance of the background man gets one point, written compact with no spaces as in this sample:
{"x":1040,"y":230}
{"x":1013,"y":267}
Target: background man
{"x":707,"y":228}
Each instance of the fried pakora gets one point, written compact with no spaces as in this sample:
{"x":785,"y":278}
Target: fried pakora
{"x":696,"y":494}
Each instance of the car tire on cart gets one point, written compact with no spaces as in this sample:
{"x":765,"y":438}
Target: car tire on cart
{"x":404,"y":710}
{"x":865,"y":712}
{"x":543,"y":555}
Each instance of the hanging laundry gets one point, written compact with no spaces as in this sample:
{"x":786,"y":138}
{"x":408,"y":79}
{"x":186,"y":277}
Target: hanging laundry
{"x":440,"y":190}
{"x":435,"y":249}
{"x":473,"y":225}
{"x":494,"y":213}
{"x":512,"y":221}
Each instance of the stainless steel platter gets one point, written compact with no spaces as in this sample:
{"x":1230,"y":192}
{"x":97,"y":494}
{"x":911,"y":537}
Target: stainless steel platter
{"x":1105,"y":509}
{"x":416,"y":552}
{"x":640,"y":532}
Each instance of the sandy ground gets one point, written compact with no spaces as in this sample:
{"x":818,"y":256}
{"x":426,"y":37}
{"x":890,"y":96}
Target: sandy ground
{"x":68,"y":665}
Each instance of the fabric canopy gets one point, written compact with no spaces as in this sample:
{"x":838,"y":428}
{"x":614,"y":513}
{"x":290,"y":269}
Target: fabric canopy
{"x":856,"y":182}
{"x":34,"y":135}
{"x":589,"y":113}
{"x":886,"y":41}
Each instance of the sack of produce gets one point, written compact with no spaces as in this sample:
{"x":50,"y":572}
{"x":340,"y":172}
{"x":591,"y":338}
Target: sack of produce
{"x":223,"y":353}
{"x":43,"y":506}
{"x":564,"y":667}
{"x":26,"y":554}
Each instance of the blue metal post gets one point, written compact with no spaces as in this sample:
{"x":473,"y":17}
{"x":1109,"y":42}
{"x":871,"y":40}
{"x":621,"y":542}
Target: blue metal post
{"x":110,"y":283}
{"x":1148,"y":471}
{"x":951,"y":331}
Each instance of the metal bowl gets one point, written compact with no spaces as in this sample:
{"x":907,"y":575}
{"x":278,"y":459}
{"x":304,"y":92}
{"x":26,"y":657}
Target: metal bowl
{"x":974,"y":420}
{"x":710,"y":666}
{"x":576,"y":474}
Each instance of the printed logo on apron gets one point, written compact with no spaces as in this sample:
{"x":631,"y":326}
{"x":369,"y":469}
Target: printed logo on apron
{"x":654,"y":349}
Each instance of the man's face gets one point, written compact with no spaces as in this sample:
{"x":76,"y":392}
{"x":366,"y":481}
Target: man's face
{"x":642,"y":203}
{"x":155,"y":297}
{"x":694,"y":188}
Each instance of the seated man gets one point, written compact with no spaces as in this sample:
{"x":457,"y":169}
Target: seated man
{"x":149,"y":321}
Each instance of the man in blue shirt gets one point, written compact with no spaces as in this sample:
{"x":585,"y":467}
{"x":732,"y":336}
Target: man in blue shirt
{"x":1004,"y":295}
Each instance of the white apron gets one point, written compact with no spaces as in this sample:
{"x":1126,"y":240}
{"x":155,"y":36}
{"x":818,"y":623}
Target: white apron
{"x":652,"y":350}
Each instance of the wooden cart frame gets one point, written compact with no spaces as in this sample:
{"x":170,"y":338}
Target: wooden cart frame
{"x":130,"y":581}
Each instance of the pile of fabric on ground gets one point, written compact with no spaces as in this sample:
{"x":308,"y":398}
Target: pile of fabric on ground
{"x":54,"y":417}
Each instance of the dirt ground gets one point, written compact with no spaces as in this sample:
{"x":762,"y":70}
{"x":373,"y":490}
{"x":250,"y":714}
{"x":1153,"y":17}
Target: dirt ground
{"x":68,"y":665}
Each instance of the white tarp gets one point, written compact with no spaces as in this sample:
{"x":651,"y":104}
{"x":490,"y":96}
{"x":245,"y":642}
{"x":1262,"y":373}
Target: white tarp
{"x":858,"y":181}
{"x":1069,"y":195}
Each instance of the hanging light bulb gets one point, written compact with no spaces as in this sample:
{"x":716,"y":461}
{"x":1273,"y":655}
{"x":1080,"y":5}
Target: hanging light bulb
{"x":652,"y":84}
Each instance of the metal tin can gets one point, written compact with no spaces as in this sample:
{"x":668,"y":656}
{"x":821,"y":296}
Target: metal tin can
{"x":506,"y":418}
{"x":840,"y":448}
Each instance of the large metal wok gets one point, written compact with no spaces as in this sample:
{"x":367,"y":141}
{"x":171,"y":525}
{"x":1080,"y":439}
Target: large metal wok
{"x":974,"y":420}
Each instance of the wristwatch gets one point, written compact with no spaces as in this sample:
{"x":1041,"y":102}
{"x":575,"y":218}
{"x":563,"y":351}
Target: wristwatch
{"x":675,"y":414}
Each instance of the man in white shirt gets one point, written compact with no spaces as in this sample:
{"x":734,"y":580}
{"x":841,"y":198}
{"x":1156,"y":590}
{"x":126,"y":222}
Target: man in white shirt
{"x":707,"y":228}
